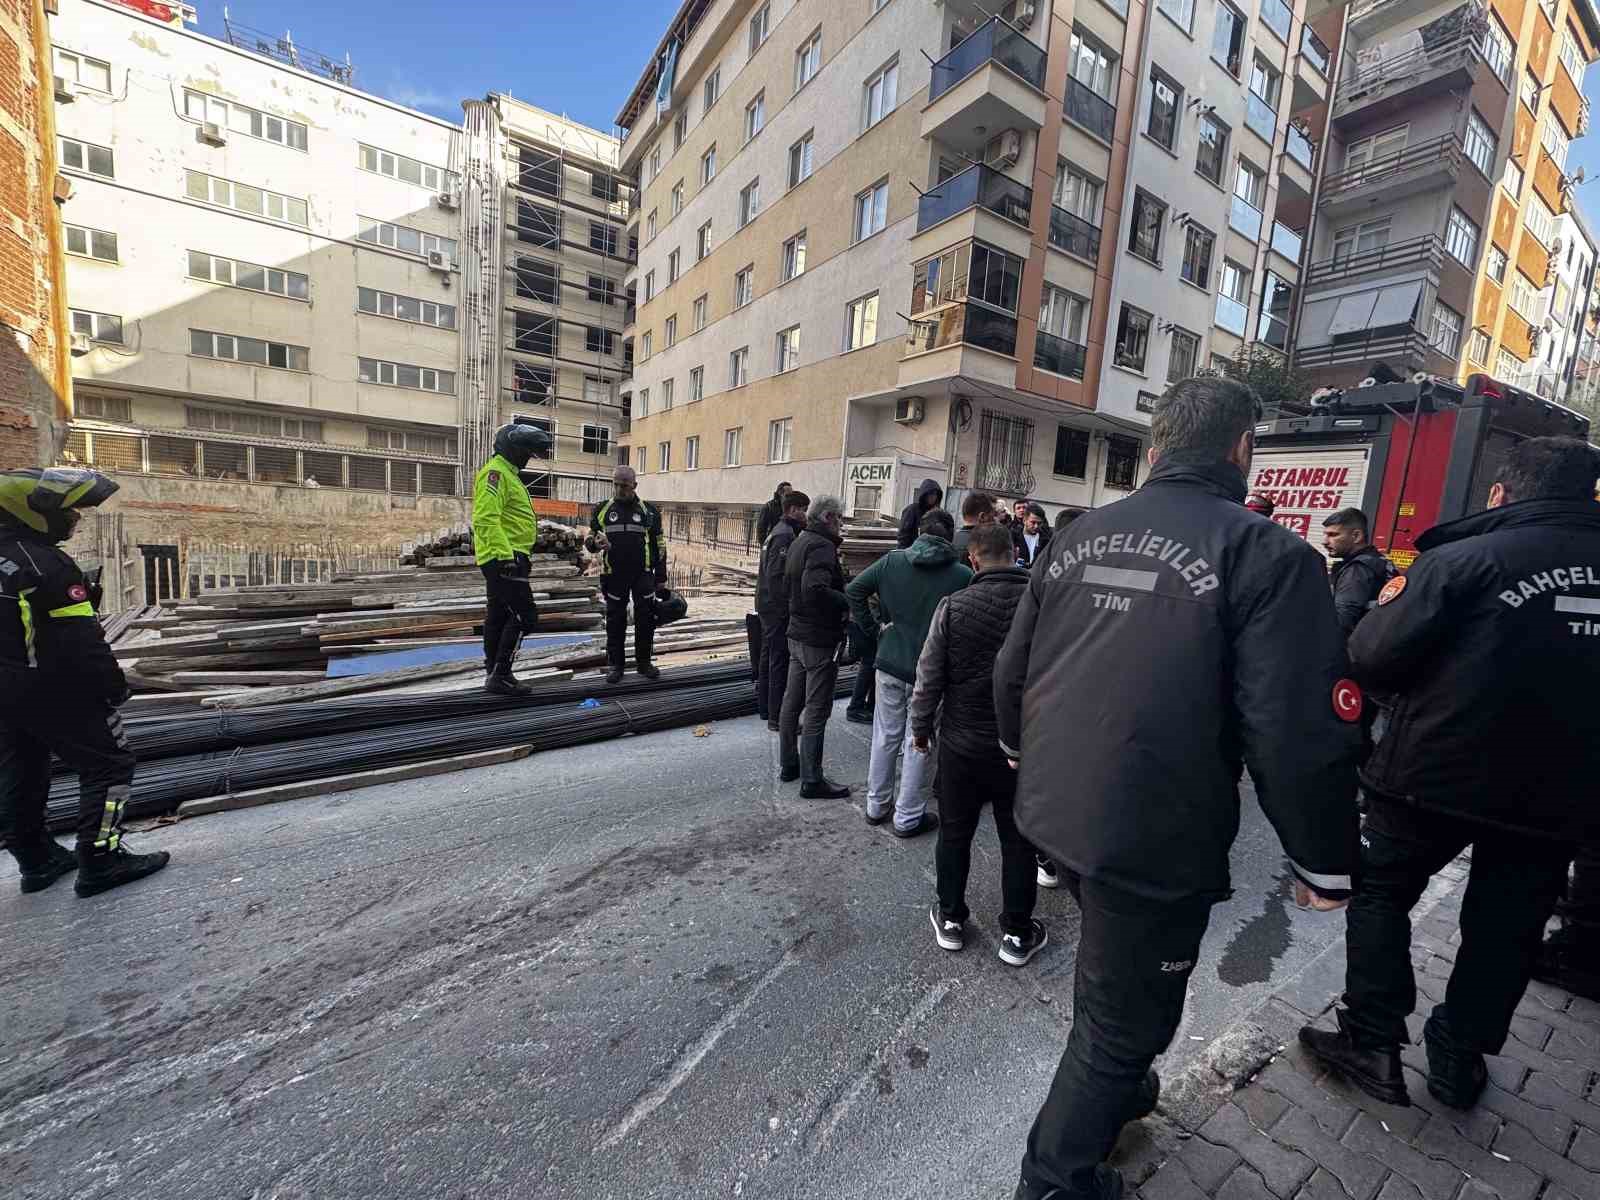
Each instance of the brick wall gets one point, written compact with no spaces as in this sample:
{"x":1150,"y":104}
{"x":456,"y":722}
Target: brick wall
{"x":33,"y":343}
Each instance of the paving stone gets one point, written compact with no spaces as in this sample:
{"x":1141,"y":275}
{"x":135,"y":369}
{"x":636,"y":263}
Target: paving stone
{"x":1329,"y":1111}
{"x":1524,"y":1150}
{"x":1263,"y":1107}
{"x":1436,"y":967}
{"x":1563,"y":1090}
{"x":1171,"y":1182}
{"x":1508,"y":1180}
{"x":1556,"y":1192}
{"x":1395,"y":1188}
{"x":1584,"y":1009}
{"x":1432,"y":1179}
{"x":1549,"y":995}
{"x":1568,"y":1049}
{"x":1506,"y":1073}
{"x":1321,"y":1186}
{"x":1282,"y":1170}
{"x":1586,"y":1149}
{"x":1477,"y":1125}
{"x":1358,"y":1174}
{"x":1536,"y":1034}
{"x":1319,"y":984}
{"x":1585,"y":1033}
{"x":1243,"y":1184}
{"x":1207,"y":1164}
{"x":1550,"y":1126}
{"x":1527,"y":1055}
{"x":1402,"y":1122}
{"x":1434,"y":945}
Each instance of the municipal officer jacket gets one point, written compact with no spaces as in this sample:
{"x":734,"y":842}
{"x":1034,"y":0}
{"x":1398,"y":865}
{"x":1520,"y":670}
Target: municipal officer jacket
{"x":772,"y":594}
{"x":957,"y":663}
{"x":1491,"y":646}
{"x":1356,"y":582}
{"x":815,"y":583}
{"x":503,"y":524}
{"x":636,"y":548}
{"x":1164,"y":642}
{"x":50,"y":637}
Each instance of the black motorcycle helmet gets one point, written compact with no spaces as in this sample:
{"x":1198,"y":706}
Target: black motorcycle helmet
{"x":670,"y":606}
{"x":517,"y":443}
{"x":51,"y":500}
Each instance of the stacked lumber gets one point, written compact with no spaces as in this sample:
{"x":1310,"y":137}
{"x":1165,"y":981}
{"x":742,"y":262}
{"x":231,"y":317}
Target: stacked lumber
{"x":863,"y":545}
{"x":555,"y":539}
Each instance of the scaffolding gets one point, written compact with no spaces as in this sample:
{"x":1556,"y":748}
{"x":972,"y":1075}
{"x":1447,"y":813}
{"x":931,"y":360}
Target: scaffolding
{"x":481,"y":171}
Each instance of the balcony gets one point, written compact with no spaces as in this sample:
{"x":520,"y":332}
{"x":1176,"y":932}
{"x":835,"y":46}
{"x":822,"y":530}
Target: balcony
{"x":978,"y":186}
{"x":1232,"y":315}
{"x":1287,"y":242}
{"x":1314,"y":51}
{"x":1261,"y":117}
{"x":1275,"y":14}
{"x":1059,"y":356}
{"x":1091,"y":111}
{"x":1413,"y":252}
{"x":1403,"y":347}
{"x":1071,"y":234}
{"x":1298,"y":146}
{"x":1432,"y":164}
{"x":1244,"y":217}
{"x":1311,"y":68}
{"x":970,"y":324}
{"x":1391,"y":85}
{"x":993,"y":81}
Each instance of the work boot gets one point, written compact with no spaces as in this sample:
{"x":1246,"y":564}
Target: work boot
{"x":1149,"y":1096}
{"x":101,"y":870}
{"x":1375,"y":1071}
{"x":504,"y":683}
{"x":814,"y":784}
{"x":614,"y":673}
{"x":647,"y":670}
{"x":1456,"y":1075}
{"x":1108,"y":1185}
{"x":44,"y":865}
{"x":858,"y":716}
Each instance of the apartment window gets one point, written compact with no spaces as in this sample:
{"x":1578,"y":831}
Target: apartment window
{"x":1265,"y":81}
{"x":691,"y":454}
{"x":644,"y":411}
{"x":1554,"y":139}
{"x":602,"y":290}
{"x":1496,"y":263}
{"x":861,"y":322}
{"x":1166,"y":104}
{"x":1523,"y":297}
{"x":1376,"y":148}
{"x":1361,"y":239}
{"x":406,"y":170}
{"x":708,"y":166}
{"x":1093,"y":66}
{"x":91,"y":243}
{"x":1250,"y":184}
{"x":649,"y":227}
{"x":872,"y":210}
{"x":252,"y":350}
{"x":1122,"y":462}
{"x":673,"y":261}
{"x":530,"y":384}
{"x":1507,"y":365}
{"x":1479,"y":143}
{"x":755,"y":116}
{"x":1461,"y":238}
{"x":1227,"y":38}
{"x":597,"y":439}
{"x":1445,"y":336}
{"x":644,"y":457}
{"x":1181,"y":12}
{"x":254,"y":277}
{"x":808,"y":60}
{"x":649,"y":286}
{"x":1478,"y":347}
{"x":794,"y":256}
{"x":881,"y":93}
{"x":1530,"y":89}
{"x":680,"y":130}
{"x":669,"y":332}
{"x":668,"y":387}
{"x":1572,"y":57}
{"x":744,"y":287}
{"x":1511,"y":178}
{"x":1077,"y":193}
{"x":1184,"y":356}
{"x":538,"y":225}
{"x":101,"y":327}
{"x":1541,"y":222}
{"x":646,"y":344}
{"x":113,"y":408}
{"x":996,"y":277}
{"x":602,"y":238}
{"x":262,"y":203}
{"x":260,"y":425}
{"x":1234,"y":282}
{"x":82,"y":70}
{"x":760,"y":27}
{"x":1144,"y":231}
{"x":1062,"y":314}
{"x":713,"y":87}
{"x":664,"y":456}
{"x":800,"y":160}
{"x":197,"y":106}
{"x":535,"y":333}
{"x":739,"y":367}
{"x":732,"y":446}
{"x":749,"y":202}
{"x":1133,"y":338}
{"x":780,"y":440}
{"x":1212,"y":157}
{"x":538,"y":171}
{"x":396,"y":237}
{"x":536,"y":280}
{"x":404,"y":375}
{"x":697,"y":384}
{"x":1498,"y":49}
{"x":655,"y":164}
{"x":1072,"y":452}
{"x":1197,"y":246}
{"x":697,"y":319}
{"x":86,"y":157}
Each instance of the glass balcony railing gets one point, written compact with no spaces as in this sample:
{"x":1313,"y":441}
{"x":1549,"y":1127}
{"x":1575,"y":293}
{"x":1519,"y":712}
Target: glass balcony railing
{"x":1299,"y":147}
{"x":979,"y":186}
{"x":1313,"y":50}
{"x":1244,"y":217}
{"x":1278,"y":18}
{"x":1059,"y":356}
{"x":994,"y":41}
{"x":1286,"y":242}
{"x":1274,"y":331}
{"x":1261,"y":116}
{"x":1231,"y":315}
{"x":1086,"y":107}
{"x":972,"y":324}
{"x":1073,"y":235}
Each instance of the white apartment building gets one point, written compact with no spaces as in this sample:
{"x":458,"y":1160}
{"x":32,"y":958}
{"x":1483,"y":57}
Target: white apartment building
{"x":1568,"y":301}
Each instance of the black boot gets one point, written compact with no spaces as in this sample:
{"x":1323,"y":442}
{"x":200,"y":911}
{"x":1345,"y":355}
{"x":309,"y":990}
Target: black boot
{"x":1457,"y":1075}
{"x":44,"y":864}
{"x":1108,"y":1185}
{"x":814,"y":784}
{"x":614,"y":673}
{"x":1149,"y":1096}
{"x":101,"y":870}
{"x":1375,"y":1071}
{"x":501,"y":682}
{"x":647,"y":670}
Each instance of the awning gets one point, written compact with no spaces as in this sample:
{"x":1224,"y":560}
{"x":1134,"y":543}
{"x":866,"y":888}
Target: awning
{"x":1397,"y":304}
{"x":1314,"y":321}
{"x":1354,"y":314}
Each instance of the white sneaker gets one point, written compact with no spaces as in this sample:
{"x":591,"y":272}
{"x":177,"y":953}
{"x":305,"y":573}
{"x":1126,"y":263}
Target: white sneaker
{"x":949,"y":934}
{"x":1019,"y":951}
{"x":1049,"y":876}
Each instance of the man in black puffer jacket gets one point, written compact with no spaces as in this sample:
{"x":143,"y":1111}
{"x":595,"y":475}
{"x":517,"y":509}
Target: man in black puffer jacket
{"x":956,"y":668}
{"x":818,"y":609}
{"x":772,"y":606}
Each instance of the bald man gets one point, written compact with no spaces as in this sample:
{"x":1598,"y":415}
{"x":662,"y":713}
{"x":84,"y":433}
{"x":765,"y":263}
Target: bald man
{"x":626,"y":533}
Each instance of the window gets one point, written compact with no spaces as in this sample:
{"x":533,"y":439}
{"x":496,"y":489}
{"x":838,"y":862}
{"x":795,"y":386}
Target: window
{"x":780,"y":440}
{"x":1498,"y":50}
{"x":1361,"y":239}
{"x":646,"y":344}
{"x":1093,"y":66}
{"x":538,"y":171}
{"x":91,"y":243}
{"x":996,"y":277}
{"x":83,"y":156}
{"x":535,"y":333}
{"x":749,"y":202}
{"x":644,"y":458}
{"x":698,"y":318}
{"x":1184,"y":357}
{"x":680,"y":130}
{"x":390,"y":374}
{"x":1197,"y":246}
{"x":760,"y":27}
{"x":800,"y":160}
{"x":1375,"y":148}
{"x":1062,"y":314}
{"x":530,"y":384}
{"x":1541,"y":222}
{"x":1077,"y":193}
{"x":676,"y":204}
{"x":1523,"y":297}
{"x":664,"y":456}
{"x":1235,"y":282}
{"x":713,"y":87}
{"x":732,"y":446}
{"x":1496,"y":263}
{"x":536,"y":280}
{"x":1212,"y":157}
{"x":101,"y":327}
{"x":1227,"y":39}
{"x":1554,"y":139}
{"x":697,"y":384}
{"x":1461,"y":238}
{"x":1479,"y":143}
{"x":197,"y":106}
{"x":1166,"y":104}
{"x":649,"y":286}
{"x":1250,"y":184}
{"x":739,"y":367}
{"x":1181,"y":12}
{"x":1265,"y":82}
{"x":538,"y":225}
{"x":1122,"y":462}
{"x":794,"y":256}
{"x":755,"y":116}
{"x":255,"y":351}
{"x":861,"y":322}
{"x":86,"y":72}
{"x":402,"y":238}
{"x":744,"y":287}
{"x":872,"y":210}
{"x":109,"y":408}
{"x":406,"y":170}
{"x":881,"y":92}
{"x":808,"y":60}
{"x":1530,"y":89}
{"x":1133,"y":338}
{"x":649,"y":227}
{"x":669,"y":332}
{"x":603,"y":237}
{"x":1072,"y":452}
{"x":1507,"y":365}
{"x":1572,"y":57}
{"x":691,"y":454}
{"x":1478,"y":347}
{"x":261,"y":425}
{"x":673,"y":260}
{"x":602,"y":290}
{"x":668,"y":386}
{"x":1445,"y":336}
{"x":1511,"y":178}
{"x":256,"y":278}
{"x":708,"y":166}
{"x":1144,"y":231}
{"x":644,"y":411}
{"x":597,"y":439}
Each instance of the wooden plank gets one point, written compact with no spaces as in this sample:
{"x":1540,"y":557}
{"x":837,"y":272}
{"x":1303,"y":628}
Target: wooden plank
{"x":233,"y":680}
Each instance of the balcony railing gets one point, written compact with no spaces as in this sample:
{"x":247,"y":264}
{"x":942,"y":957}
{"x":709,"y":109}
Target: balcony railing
{"x":1086,"y":107}
{"x":994,"y":41}
{"x":1314,"y":50}
{"x":1232,"y":315}
{"x":1261,"y":116}
{"x":1244,"y":217}
{"x":1059,"y":356}
{"x":971,"y":324}
{"x":1278,"y":18}
{"x":979,"y":186}
{"x":1405,"y":346}
{"x":1071,"y":234}
{"x":1299,"y":147}
{"x":1412,"y":252}
{"x":1274,"y":331}
{"x":1286,"y":241}
{"x":1412,"y":64}
{"x":1446,"y":148}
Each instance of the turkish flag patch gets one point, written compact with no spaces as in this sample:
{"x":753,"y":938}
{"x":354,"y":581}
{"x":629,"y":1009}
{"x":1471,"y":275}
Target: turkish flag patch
{"x":493,"y":481}
{"x":78,"y":593}
{"x":1392,"y":590}
{"x":1347,"y":700}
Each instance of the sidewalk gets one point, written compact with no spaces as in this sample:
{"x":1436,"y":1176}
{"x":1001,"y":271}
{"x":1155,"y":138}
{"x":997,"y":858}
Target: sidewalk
{"x":1295,"y":1132}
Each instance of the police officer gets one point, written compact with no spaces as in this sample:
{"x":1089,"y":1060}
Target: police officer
{"x":504,"y":530}
{"x":1219,"y":632}
{"x":59,"y":689}
{"x":1359,"y":568}
{"x":1491,"y":646}
{"x":626,"y":533}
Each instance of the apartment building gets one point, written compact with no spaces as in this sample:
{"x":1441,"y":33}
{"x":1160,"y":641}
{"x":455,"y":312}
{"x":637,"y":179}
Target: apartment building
{"x":1437,"y":243}
{"x":1550,"y":373}
{"x":262,"y":278}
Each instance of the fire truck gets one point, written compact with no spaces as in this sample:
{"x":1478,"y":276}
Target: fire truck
{"x":1409,"y":454}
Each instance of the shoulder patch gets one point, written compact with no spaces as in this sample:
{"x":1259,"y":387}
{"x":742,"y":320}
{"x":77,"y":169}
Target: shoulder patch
{"x":1391,"y":590}
{"x":493,"y":481}
{"x":77,"y":593}
{"x":1347,"y":701}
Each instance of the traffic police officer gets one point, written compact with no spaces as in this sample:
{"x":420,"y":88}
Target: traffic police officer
{"x":626,"y":533}
{"x":504,"y":530}
{"x":59,"y":688}
{"x":1219,"y":631}
{"x":1491,"y":647}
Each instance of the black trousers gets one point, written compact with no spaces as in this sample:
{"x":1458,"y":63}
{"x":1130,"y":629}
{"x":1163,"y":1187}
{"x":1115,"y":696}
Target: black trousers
{"x":774,"y":667}
{"x":1135,"y":957}
{"x":967,"y":783}
{"x":87,"y":736}
{"x":1511,"y":892}
{"x":509,"y":614}
{"x":618,"y":592}
{"x":864,"y":692}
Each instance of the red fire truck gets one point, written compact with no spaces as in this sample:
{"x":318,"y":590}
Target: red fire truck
{"x":1410,"y":455}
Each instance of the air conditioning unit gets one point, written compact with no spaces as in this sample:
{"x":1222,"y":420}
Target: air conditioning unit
{"x":211,"y":131}
{"x":908,"y":410}
{"x":438,"y":260}
{"x":1557,"y":246}
{"x":1003,"y":149}
{"x":66,"y":91}
{"x":448,"y":200}
{"x":80,"y":345}
{"x":1027,"y":10}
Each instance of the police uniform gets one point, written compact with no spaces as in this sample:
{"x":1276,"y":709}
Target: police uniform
{"x":504,"y":531}
{"x":633,"y":566}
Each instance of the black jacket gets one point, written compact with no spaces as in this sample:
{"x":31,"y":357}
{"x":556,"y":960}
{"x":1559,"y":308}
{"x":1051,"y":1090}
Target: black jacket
{"x":771,"y":516}
{"x":1492,"y":651}
{"x":957,"y":663}
{"x":818,"y":607}
{"x":50,"y":637}
{"x":1164,"y":642}
{"x":1024,"y":559}
{"x":772,"y":594}
{"x":636,"y":547}
{"x":1356,"y":582}
{"x":911,"y":515}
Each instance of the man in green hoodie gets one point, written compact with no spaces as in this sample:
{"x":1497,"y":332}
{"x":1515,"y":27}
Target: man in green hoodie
{"x":909,"y":584}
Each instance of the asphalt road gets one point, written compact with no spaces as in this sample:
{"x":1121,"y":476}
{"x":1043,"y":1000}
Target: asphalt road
{"x":638,"y":969}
